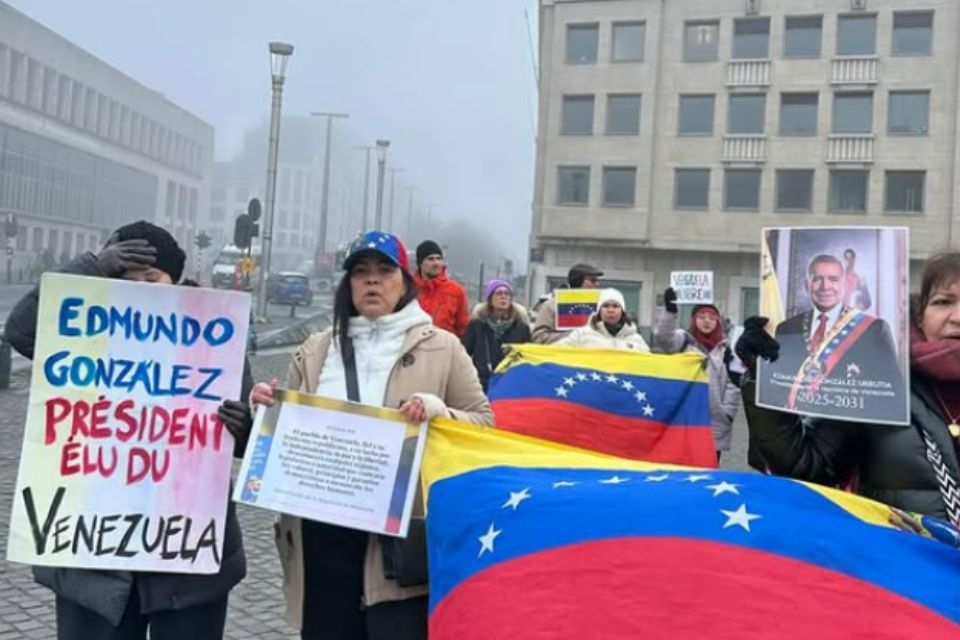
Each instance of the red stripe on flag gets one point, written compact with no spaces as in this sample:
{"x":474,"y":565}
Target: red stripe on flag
{"x":676,"y":589}
{"x":586,"y":428}
{"x":572,"y":321}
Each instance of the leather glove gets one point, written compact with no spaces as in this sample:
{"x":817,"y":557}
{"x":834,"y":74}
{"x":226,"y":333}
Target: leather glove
{"x":756,"y":342}
{"x":670,"y":300}
{"x":238,"y":419}
{"x":116,"y":258}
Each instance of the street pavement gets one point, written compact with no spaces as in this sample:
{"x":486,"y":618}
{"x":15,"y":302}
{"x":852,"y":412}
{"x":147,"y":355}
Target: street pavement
{"x":256,"y":604}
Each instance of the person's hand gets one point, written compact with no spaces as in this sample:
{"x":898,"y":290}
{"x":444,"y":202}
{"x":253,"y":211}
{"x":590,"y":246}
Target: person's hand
{"x":422,"y":407}
{"x":238,"y":419}
{"x":262,"y":393}
{"x":755,"y":343}
{"x":116,"y":258}
{"x":670,"y":300}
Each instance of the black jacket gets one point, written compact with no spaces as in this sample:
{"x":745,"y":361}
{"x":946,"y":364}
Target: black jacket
{"x":107,"y":592}
{"x":889,"y":462}
{"x":484,"y":348}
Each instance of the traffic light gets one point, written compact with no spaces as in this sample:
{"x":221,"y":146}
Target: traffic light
{"x":242,"y":231}
{"x":203,"y":240}
{"x":253,"y":214}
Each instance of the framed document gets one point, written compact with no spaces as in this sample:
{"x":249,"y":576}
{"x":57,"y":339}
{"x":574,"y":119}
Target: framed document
{"x":333,"y":461}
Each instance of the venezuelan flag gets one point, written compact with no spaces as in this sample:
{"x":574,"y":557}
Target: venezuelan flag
{"x":530,"y":539}
{"x":632,"y":405}
{"x":575,"y":306}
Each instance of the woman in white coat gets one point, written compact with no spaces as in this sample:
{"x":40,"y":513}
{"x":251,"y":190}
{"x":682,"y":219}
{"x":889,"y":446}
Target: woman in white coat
{"x":609,"y":328}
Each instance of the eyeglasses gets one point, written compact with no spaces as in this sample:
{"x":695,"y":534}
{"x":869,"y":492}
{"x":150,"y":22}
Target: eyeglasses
{"x":592,"y":279}
{"x":501,"y":292}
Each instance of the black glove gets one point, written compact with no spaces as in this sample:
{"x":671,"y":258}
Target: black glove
{"x":116,"y":258}
{"x":238,"y":419}
{"x":756,"y":342}
{"x":670,"y":300}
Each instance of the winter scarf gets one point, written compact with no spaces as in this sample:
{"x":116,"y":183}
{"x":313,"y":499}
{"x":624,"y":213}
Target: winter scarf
{"x":939,"y":362}
{"x":708,"y":341}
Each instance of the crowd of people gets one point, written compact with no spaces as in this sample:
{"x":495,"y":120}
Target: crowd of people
{"x":404,"y":336}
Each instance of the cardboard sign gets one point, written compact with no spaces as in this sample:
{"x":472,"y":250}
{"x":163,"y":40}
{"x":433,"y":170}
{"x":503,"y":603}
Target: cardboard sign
{"x":692,"y":287}
{"x":124,"y":462}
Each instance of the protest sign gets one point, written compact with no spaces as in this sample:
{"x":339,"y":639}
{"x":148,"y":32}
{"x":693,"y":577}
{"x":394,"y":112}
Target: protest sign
{"x":837,"y":299}
{"x":124,"y":462}
{"x":333,"y":461}
{"x":692,"y":287}
{"x":574,"y":307}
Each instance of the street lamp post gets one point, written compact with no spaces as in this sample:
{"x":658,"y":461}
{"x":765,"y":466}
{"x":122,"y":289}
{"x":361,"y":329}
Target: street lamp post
{"x":391,"y":221}
{"x":366,"y":188}
{"x":382,"y":146}
{"x":410,"y":191}
{"x":280,"y":53}
{"x":325,"y":196}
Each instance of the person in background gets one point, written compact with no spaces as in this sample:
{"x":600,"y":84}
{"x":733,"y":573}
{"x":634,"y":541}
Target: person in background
{"x":444,"y":299}
{"x":123,"y":605}
{"x":609,"y":328}
{"x":580,"y":276}
{"x":705,"y":336}
{"x":334,"y":578}
{"x":499,"y":322}
{"x":913,"y":467}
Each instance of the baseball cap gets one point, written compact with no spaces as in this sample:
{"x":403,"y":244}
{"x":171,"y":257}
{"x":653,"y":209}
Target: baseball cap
{"x":381,"y":243}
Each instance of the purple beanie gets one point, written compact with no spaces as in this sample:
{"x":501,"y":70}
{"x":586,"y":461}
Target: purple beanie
{"x":493,"y":285}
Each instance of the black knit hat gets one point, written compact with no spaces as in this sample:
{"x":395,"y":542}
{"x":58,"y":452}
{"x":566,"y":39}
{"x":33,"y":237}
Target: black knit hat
{"x":170,"y":257}
{"x":580,"y":271}
{"x":426,"y":249}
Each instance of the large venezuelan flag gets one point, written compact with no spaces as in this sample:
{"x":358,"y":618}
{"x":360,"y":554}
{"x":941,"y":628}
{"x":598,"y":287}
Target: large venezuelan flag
{"x":529,"y":539}
{"x":632,"y":405}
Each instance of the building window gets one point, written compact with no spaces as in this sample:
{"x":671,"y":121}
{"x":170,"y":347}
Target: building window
{"x":64,"y":103}
{"x":573,"y":185}
{"x":582,"y":41}
{"x":701,"y":41}
{"x":623,"y":114}
{"x":629,"y":40}
{"x":794,"y":190}
{"x":741,"y":189}
{"x":691,"y":189}
{"x":696,"y":115}
{"x":912,"y":33}
{"x":577,"y":115}
{"x":853,"y":113}
{"x":802,"y":36}
{"x":798,"y":114}
{"x":751,"y":38}
{"x":857,"y":35}
{"x":848,"y":191}
{"x":746,"y":113}
{"x":37,"y":243}
{"x":908,"y":112}
{"x":904,"y":192}
{"x":50,"y":92}
{"x":619,"y":186}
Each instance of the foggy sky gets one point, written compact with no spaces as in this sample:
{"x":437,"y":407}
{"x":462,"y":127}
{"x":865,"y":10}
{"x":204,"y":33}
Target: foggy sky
{"x":449,"y":82}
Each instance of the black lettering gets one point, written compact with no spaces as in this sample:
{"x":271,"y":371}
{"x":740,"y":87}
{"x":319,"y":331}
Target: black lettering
{"x":106,"y":526}
{"x":85,"y":533}
{"x":147,"y":545}
{"x":40,"y":534}
{"x":132,"y":521}
{"x":208,"y":539}
{"x":62,"y":529}
{"x":172,"y":529}
{"x":185,"y":553}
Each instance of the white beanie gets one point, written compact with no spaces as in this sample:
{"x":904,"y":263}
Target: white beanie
{"x":611,"y":295}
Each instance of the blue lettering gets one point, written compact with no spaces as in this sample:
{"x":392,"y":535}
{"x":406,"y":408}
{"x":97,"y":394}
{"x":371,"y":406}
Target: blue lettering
{"x":82,"y":371}
{"x":142,"y":376}
{"x":190,"y":331}
{"x":180,"y":372}
{"x":169,"y":331}
{"x":212,"y":375}
{"x":68,"y":311}
{"x":140,"y":332}
{"x":226,"y":331}
{"x":97,"y":320}
{"x":120,"y":319}
{"x":56,"y":376}
{"x":104,"y":374}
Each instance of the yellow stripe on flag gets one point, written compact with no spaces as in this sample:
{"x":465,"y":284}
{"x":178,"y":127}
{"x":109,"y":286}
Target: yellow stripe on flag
{"x":682,"y":366}
{"x":577,"y":296}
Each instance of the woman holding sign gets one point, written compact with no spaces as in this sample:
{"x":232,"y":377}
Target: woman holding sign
{"x":609,"y":328}
{"x":706,"y":336}
{"x":915,"y":467}
{"x":335,"y":578}
{"x":110,"y":605}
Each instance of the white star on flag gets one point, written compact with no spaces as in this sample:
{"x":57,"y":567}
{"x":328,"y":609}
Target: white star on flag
{"x":740,"y":518}
{"x":486,"y":540}
{"x":372,"y":245}
{"x":615,"y":480}
{"x":564,"y":483}
{"x":561,"y":392}
{"x":697,"y":477}
{"x":723,"y":487}
{"x":516,"y":497}
{"x":659,"y":478}
{"x":570,"y":382}
{"x":648,"y":410}
{"x":640,"y":396}
{"x":582,"y":377}
{"x":612,"y":379}
{"x":596,"y":376}
{"x":628,"y":385}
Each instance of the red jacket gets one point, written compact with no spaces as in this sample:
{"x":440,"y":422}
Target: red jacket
{"x":445,"y":301}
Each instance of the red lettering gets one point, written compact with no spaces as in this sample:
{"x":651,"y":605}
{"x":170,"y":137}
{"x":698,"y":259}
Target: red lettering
{"x":69,"y":463}
{"x":161,"y":415}
{"x":178,"y":426}
{"x":158,"y":472}
{"x":56,"y":410}
{"x":198,"y":432}
{"x":79,"y":425}
{"x":135,"y":455}
{"x":122,"y":414}
{"x":217,"y":432}
{"x":98,"y":419}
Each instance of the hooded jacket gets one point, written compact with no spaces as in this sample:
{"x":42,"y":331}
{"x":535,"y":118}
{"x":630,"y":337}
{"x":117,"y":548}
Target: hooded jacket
{"x":595,"y":334}
{"x":485,"y":348}
{"x":445,"y":301}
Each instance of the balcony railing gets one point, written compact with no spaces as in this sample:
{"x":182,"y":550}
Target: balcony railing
{"x":745,"y":148}
{"x":748,"y":73}
{"x":854,"y":70}
{"x":850,"y":148}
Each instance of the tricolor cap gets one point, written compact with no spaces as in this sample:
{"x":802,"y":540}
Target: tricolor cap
{"x":380,"y":243}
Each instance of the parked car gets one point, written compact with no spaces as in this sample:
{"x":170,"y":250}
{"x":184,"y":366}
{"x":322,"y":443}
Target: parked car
{"x":290,"y":287}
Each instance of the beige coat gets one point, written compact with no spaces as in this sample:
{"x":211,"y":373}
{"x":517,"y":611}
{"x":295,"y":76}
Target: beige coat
{"x":595,"y":335}
{"x":439,"y":366}
{"x":543,"y":329}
